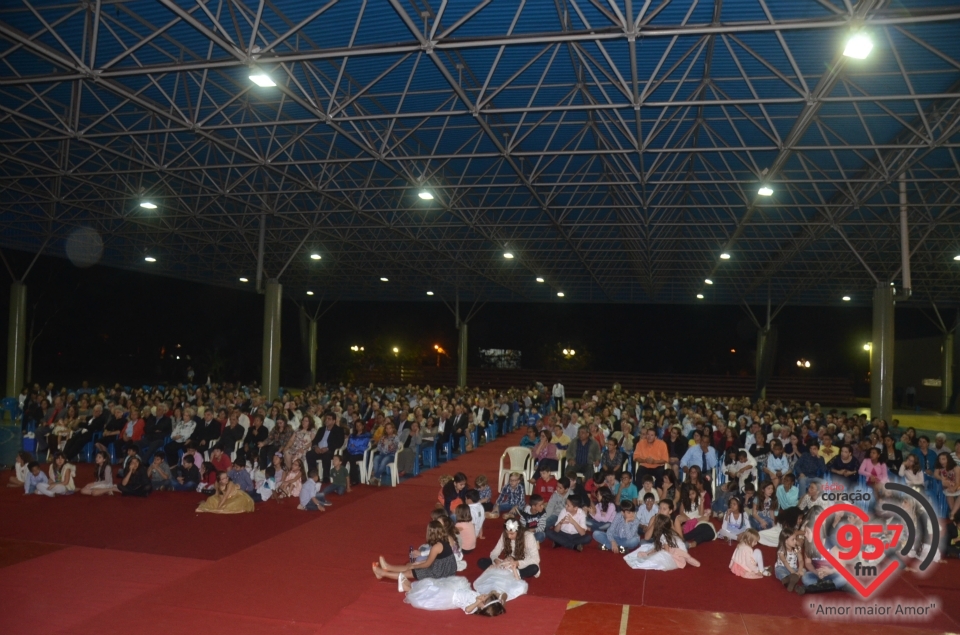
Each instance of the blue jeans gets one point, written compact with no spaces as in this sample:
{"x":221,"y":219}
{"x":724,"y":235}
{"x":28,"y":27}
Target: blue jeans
{"x":629,"y":544}
{"x":596,"y":525}
{"x":311,"y":506}
{"x":188,"y":486}
{"x":339,"y":490}
{"x":570,"y":541}
{"x":380,"y":464}
{"x":503,"y":508}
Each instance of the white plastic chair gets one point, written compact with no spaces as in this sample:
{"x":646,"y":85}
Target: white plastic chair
{"x":520,"y":460}
{"x":368,"y":467}
{"x":561,"y":463}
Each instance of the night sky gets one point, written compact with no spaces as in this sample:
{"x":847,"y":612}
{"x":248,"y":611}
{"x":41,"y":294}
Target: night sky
{"x":108,"y":325}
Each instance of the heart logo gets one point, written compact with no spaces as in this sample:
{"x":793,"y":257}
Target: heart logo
{"x":881,"y":577}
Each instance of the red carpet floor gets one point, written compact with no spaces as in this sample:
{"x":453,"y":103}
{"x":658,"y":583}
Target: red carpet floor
{"x":150,"y":566}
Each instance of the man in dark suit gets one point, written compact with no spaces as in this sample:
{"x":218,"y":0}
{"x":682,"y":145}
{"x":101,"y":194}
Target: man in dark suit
{"x":155,"y":430}
{"x":206,"y":432}
{"x":460,"y":422}
{"x":328,"y":440}
{"x":482,"y":414}
{"x":85,"y":433}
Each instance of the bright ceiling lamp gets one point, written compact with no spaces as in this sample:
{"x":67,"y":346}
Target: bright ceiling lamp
{"x":148,"y":205}
{"x":425,"y":195}
{"x":956,"y":257}
{"x":149,"y":259}
{"x":244,"y":280}
{"x":508,"y":255}
{"x":765,"y":191}
{"x":429,"y":292}
{"x":384,"y":279}
{"x":559,"y":294}
{"x":309,"y":292}
{"x":539,"y":279}
{"x":724,"y":256}
{"x":315,"y":256}
{"x":858,"y":46}
{"x":707,"y":281}
{"x":262,"y":80}
{"x":699,"y":296}
{"x":845,"y":298}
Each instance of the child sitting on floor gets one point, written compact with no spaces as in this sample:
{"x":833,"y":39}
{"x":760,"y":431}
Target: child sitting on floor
{"x":339,"y":478}
{"x":477,"y":512}
{"x":647,"y":487}
{"x":647,"y":512}
{"x":545,"y":485}
{"x":512,"y":495}
{"x":789,"y":566}
{"x":311,"y":499}
{"x":747,"y":561}
{"x":483,"y":489}
{"x":444,"y":479}
{"x":666,"y":538}
{"x":735,"y":522}
{"x":466,"y":532}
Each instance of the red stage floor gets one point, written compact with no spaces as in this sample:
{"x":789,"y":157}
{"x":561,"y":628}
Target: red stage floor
{"x":113,"y":565}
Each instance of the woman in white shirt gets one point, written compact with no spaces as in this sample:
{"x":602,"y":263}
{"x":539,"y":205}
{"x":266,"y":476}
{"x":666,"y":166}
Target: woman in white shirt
{"x":911,"y":473}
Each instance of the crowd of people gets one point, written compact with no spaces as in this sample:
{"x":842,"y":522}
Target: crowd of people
{"x":644,"y":475}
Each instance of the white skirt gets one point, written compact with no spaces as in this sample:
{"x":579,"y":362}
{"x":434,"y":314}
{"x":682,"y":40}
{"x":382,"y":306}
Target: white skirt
{"x":501,"y":581}
{"x":658,"y":561}
{"x":441,"y":594}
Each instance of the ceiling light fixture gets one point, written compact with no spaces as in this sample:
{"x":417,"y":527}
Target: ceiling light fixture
{"x":858,"y":46}
{"x":765,"y":191}
{"x":707,"y":281}
{"x":309,"y":292}
{"x":244,"y":280}
{"x":699,"y":296}
{"x":262,"y":80}
{"x":150,"y":259}
{"x":429,"y":292}
{"x":845,"y":298}
{"x":425,"y":195}
{"x":508,"y":255}
{"x":384,"y":279}
{"x":539,"y":279}
{"x":315,"y":257}
{"x":148,"y":205}
{"x":956,"y":257}
{"x":724,"y":256}
{"x":559,"y":294}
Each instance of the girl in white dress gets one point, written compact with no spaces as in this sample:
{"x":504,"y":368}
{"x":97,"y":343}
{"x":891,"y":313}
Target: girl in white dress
{"x":444,"y":594}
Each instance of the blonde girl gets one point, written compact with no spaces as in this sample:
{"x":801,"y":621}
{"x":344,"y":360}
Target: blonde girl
{"x":747,"y":561}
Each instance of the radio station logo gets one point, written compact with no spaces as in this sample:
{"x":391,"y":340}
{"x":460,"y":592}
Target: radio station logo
{"x":863,"y":549}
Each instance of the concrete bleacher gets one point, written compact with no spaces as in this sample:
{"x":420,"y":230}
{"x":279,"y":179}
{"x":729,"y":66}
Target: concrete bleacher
{"x":835,"y":391}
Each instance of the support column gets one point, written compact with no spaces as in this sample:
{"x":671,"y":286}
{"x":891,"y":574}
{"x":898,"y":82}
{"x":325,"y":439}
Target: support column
{"x":881,"y":355}
{"x":946,"y":375}
{"x":273,"y":294}
{"x":462,"y":356}
{"x":312,"y":351}
{"x":16,"y":338}
{"x":766,"y":353}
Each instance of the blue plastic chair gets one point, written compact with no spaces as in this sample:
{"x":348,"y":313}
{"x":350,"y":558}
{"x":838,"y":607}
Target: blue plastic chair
{"x":490,"y":431}
{"x":429,"y":452}
{"x":446,"y":451}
